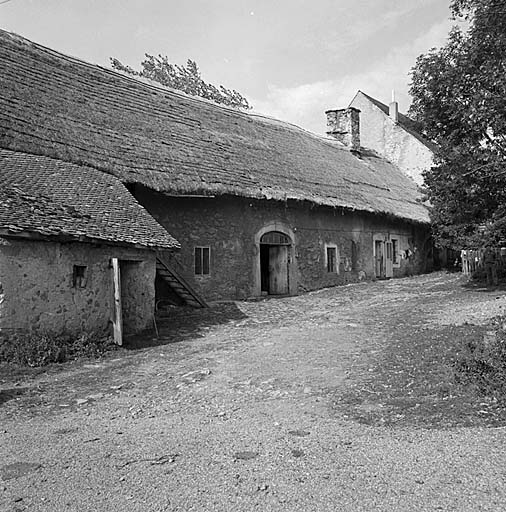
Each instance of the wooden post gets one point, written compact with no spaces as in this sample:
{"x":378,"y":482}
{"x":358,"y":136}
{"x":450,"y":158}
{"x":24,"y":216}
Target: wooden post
{"x":117,"y":320}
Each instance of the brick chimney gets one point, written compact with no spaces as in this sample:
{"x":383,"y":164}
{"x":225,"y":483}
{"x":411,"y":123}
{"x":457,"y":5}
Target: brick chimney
{"x":344,"y":125}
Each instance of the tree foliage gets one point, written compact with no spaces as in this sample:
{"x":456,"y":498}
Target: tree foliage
{"x":459,"y":98}
{"x":184,"y":78}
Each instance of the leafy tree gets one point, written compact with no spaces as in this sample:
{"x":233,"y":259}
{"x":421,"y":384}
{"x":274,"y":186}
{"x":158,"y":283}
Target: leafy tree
{"x":459,"y":98}
{"x":185,"y":78}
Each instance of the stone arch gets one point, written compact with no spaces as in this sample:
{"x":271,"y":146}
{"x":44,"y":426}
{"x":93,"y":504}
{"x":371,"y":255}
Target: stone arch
{"x":282,"y":228}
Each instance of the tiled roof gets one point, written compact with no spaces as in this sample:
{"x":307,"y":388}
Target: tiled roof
{"x":404,"y":121}
{"x":62,"y":107}
{"x":44,"y":196}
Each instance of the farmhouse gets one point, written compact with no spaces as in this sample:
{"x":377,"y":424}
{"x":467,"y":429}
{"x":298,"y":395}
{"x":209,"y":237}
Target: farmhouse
{"x":77,"y":252}
{"x":259,"y":206}
{"x":393,"y":135}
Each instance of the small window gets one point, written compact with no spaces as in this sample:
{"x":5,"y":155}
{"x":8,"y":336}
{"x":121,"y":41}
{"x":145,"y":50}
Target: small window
{"x":79,"y":276}
{"x":332,"y":259}
{"x":395,"y":250}
{"x":202,"y":261}
{"x":389,"y":251}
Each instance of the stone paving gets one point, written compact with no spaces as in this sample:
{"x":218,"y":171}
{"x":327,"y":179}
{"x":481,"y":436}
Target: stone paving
{"x":233,"y":408}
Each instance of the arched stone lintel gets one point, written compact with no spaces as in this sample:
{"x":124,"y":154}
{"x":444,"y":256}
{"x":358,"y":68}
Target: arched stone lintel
{"x":292,"y":269}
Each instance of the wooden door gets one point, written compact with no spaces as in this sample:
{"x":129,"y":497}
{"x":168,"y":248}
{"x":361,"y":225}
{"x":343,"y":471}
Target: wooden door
{"x":389,"y":260}
{"x":378,"y":259}
{"x":117,"y":315}
{"x":278,"y":269}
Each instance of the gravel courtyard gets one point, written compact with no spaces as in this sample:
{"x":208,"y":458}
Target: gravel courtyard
{"x":289,"y":404}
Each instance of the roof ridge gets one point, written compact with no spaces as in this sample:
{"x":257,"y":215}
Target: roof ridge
{"x":67,"y":110}
{"x":158,"y":86}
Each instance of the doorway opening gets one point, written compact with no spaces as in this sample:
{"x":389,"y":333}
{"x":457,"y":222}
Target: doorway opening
{"x":127,"y":308}
{"x":383,"y":259}
{"x":379,"y":261}
{"x":274,"y":263}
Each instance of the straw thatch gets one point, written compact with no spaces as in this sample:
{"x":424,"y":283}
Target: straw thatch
{"x":54,"y":199}
{"x":62,"y":107}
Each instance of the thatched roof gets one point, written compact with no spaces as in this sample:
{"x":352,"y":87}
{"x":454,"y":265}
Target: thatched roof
{"x":62,"y":107}
{"x":44,"y":197}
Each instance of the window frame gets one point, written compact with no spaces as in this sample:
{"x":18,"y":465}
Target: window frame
{"x":202,"y":267}
{"x":79,"y":276}
{"x":396,"y":259}
{"x":332,"y":247}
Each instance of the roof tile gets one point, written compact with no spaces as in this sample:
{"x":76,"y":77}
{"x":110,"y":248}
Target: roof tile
{"x":54,"y":198}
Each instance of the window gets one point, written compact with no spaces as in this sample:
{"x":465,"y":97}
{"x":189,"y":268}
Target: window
{"x":389,"y":251}
{"x":79,"y":276}
{"x":395,"y":250}
{"x":202,"y":261}
{"x":275,"y":238}
{"x":332,"y":259}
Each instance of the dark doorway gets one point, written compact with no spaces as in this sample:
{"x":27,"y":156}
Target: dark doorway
{"x":274,"y":260}
{"x":264,"y":267}
{"x":131,"y":302}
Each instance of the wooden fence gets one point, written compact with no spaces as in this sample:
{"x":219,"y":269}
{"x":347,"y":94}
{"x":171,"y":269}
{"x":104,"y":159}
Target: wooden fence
{"x":472,"y":259}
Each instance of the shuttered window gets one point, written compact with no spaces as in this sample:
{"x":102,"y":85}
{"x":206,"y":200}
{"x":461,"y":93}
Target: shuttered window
{"x":332,"y":259}
{"x":202,"y":261}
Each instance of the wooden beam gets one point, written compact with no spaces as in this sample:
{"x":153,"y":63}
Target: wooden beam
{"x":117,"y":319}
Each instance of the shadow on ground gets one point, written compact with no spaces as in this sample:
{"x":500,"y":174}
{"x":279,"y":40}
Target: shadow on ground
{"x":11,"y":394}
{"x":481,"y":286}
{"x":413,"y":382}
{"x":181,"y":323}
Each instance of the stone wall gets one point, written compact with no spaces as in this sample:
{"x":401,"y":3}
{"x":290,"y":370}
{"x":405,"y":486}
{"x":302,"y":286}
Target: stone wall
{"x":344,"y":125}
{"x":232,"y":227}
{"x":41,"y":291}
{"x":380,"y":133}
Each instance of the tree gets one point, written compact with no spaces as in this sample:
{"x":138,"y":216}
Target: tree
{"x":185,"y":78}
{"x":459,"y":99}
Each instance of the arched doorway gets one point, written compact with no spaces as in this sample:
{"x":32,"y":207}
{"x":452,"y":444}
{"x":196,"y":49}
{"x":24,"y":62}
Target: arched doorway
{"x":275,"y":263}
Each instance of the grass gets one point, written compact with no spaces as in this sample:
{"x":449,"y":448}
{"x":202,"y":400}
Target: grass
{"x":439,"y":377}
{"x":482,"y":363}
{"x":43,"y":348}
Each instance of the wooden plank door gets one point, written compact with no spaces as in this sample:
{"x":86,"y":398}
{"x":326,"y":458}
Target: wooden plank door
{"x":389,"y":260}
{"x":278,"y":269}
{"x":378,"y":259}
{"x":117,"y":315}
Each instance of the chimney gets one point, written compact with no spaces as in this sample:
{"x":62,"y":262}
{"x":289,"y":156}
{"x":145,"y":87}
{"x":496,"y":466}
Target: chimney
{"x":344,"y":125}
{"x":393,"y":109}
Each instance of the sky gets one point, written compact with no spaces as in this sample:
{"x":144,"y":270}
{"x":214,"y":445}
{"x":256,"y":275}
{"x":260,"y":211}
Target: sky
{"x":292,"y":59}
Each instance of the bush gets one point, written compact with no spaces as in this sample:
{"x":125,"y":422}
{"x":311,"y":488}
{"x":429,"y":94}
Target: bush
{"x":482,"y":364}
{"x":39,"y":349}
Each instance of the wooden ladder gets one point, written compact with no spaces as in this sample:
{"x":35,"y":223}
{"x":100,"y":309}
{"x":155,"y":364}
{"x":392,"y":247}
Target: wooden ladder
{"x":178,"y":284}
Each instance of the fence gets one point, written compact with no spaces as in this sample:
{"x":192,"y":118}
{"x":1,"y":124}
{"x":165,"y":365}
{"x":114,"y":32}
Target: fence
{"x":473,"y":259}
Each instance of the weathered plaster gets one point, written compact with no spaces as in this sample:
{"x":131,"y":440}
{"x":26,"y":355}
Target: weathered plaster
{"x":231,"y":226}
{"x":380,"y":133}
{"x":39,"y":295}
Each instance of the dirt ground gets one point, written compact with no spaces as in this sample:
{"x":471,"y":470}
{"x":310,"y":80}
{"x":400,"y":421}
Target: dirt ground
{"x":341,"y":399}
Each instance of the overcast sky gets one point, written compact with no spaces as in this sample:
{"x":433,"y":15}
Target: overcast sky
{"x":292,"y":59}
